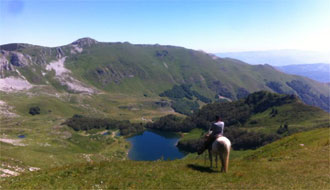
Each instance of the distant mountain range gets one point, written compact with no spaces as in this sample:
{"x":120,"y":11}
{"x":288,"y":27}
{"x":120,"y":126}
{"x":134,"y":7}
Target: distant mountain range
{"x":314,"y":65}
{"x":87,"y":66}
{"x":279,"y":57}
{"x":319,"y":71}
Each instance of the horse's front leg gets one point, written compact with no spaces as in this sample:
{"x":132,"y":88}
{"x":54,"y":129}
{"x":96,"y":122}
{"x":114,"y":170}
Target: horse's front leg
{"x":216,"y":161}
{"x":210,"y":157}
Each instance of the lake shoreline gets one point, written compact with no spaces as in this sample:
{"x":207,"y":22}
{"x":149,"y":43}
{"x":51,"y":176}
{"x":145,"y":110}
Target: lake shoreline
{"x":153,"y":145}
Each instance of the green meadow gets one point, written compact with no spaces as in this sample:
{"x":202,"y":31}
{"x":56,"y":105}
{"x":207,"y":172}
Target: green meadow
{"x":300,"y":161}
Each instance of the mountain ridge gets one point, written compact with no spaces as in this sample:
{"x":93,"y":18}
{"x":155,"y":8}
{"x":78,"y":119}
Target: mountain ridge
{"x":147,"y":70}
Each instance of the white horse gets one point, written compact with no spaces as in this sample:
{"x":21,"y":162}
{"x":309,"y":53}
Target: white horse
{"x":220,"y":147}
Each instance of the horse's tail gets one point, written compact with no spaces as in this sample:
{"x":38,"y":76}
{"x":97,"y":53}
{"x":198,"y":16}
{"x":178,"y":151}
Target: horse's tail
{"x":227,"y":158}
{"x":226,"y":146}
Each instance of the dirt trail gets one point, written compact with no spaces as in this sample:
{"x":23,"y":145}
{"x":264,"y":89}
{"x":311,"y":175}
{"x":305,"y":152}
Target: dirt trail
{"x":15,"y":142}
{"x":10,"y":84}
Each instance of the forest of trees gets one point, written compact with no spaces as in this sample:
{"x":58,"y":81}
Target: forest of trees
{"x":79,"y":122}
{"x":172,"y":123}
{"x":234,"y":114}
{"x":184,"y":100}
{"x":240,"y":139}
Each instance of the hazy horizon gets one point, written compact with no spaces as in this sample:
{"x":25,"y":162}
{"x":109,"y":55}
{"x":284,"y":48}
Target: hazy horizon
{"x":211,"y":26}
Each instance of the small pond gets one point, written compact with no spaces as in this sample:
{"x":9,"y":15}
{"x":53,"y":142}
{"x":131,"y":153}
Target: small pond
{"x":154,"y":145}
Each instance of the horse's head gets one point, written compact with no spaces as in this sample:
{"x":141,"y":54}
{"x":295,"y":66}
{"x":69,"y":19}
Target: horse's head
{"x":200,"y":150}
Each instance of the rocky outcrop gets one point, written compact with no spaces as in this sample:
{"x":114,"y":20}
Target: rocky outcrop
{"x":9,"y":60}
{"x":60,"y":53}
{"x":4,"y":64}
{"x":79,"y":45}
{"x":84,"y":42}
{"x":63,"y":76}
{"x":13,"y":58}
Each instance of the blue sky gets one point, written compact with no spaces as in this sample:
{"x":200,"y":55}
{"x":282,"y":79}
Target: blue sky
{"x":212,"y":26}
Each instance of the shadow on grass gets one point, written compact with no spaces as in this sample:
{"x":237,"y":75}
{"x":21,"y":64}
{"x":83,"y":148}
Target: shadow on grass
{"x":201,"y":168}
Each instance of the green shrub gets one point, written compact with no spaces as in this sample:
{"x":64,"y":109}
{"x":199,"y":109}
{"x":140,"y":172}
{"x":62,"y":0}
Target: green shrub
{"x":34,"y":110}
{"x":185,"y":107}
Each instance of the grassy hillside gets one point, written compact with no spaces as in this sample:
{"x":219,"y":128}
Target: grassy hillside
{"x":47,"y":143}
{"x":300,"y":161}
{"x":297,"y":116}
{"x":149,"y":70}
{"x":251,"y":122}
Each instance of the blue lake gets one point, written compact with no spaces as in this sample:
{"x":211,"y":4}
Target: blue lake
{"x":154,"y":145}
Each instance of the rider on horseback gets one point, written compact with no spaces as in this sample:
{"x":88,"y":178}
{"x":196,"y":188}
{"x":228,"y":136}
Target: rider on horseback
{"x":215,"y":131}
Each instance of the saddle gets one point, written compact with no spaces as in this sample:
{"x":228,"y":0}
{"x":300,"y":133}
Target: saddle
{"x":216,"y":136}
{"x":219,"y":135}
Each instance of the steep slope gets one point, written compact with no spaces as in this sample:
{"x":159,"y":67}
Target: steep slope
{"x":295,"y":162}
{"x":88,"y":66}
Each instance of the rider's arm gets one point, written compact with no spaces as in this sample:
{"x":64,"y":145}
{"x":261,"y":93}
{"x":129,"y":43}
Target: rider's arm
{"x":222,"y":128}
